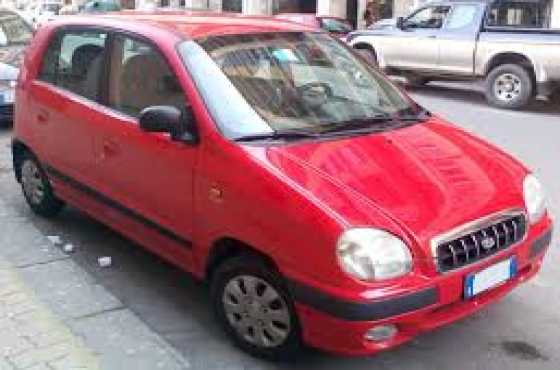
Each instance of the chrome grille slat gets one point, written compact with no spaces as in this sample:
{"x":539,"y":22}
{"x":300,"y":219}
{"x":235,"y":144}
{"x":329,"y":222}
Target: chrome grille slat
{"x":479,"y":242}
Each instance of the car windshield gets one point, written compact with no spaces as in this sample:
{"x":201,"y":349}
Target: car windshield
{"x":13,"y":30}
{"x":296,"y":82}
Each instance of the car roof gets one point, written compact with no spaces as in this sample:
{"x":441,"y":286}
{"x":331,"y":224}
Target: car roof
{"x":189,"y":24}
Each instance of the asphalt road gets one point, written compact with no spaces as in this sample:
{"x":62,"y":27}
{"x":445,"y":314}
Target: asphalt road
{"x":520,"y":332}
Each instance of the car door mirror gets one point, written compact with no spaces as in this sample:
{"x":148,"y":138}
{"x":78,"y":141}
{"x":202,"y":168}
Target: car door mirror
{"x":401,"y":23}
{"x":164,"y":118}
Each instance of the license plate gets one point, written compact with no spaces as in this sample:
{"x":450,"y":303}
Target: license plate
{"x":490,"y":277}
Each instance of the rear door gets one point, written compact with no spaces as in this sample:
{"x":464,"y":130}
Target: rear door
{"x":64,"y":102}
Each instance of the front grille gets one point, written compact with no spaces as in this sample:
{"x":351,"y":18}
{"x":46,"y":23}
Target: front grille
{"x":477,"y":242}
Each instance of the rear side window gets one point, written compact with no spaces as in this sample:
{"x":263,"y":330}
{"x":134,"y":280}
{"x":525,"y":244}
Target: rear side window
{"x":74,"y":61}
{"x":139,"y":77}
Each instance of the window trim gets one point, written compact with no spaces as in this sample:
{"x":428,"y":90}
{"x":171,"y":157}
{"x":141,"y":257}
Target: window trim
{"x":57,"y":36}
{"x":103,"y":93}
{"x":107,"y":70}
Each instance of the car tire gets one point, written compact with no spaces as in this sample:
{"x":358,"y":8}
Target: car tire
{"x":555,"y":98}
{"x":37,"y":188}
{"x":265,"y":327}
{"x":369,"y":55}
{"x":509,"y":86}
{"x":416,"y":80}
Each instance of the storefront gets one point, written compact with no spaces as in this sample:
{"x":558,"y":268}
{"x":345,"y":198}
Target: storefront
{"x":544,"y":13}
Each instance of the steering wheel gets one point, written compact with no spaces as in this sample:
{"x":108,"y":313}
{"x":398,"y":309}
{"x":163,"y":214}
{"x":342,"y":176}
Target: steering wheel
{"x":315,"y":94}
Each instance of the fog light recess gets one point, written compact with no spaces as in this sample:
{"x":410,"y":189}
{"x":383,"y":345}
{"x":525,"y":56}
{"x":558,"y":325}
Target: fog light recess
{"x":381,"y":333}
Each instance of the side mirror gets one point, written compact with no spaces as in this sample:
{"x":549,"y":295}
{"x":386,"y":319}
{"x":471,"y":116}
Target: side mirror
{"x":400,"y":23}
{"x":164,"y":118}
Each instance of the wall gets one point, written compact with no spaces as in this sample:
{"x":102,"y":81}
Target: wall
{"x":555,"y":19}
{"x":335,"y":8}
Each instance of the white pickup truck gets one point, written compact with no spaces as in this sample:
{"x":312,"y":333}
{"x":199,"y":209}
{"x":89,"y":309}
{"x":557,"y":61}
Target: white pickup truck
{"x":464,"y":40}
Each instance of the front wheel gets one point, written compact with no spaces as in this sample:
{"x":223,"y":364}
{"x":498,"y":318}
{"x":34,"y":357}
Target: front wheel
{"x":37,"y":189}
{"x":254,"y":308}
{"x":509,"y":86}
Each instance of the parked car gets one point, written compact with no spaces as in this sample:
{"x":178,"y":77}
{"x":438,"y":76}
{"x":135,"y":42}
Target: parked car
{"x":464,"y":40}
{"x":338,"y":27}
{"x":15,"y":34}
{"x":384,"y":23}
{"x":101,"y":6}
{"x":45,"y":11}
{"x":322,"y":204}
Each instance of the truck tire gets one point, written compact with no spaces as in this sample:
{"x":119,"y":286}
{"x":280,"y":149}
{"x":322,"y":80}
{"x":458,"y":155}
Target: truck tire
{"x":369,"y":55}
{"x":509,"y":86}
{"x":416,"y":80}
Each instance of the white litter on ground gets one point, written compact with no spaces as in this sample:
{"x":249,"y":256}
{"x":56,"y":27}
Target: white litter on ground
{"x":68,"y":248}
{"x":104,"y":261}
{"x":55,"y":239}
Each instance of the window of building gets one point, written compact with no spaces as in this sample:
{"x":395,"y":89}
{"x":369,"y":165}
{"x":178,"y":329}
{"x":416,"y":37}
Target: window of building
{"x":232,"y":5}
{"x":74,"y":62}
{"x":139,"y":77}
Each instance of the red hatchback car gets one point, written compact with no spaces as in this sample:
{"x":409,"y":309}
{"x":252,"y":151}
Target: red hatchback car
{"x":322,"y":204}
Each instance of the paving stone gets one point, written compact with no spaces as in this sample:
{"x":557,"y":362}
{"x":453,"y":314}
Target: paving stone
{"x":68,"y":289}
{"x":37,"y":356}
{"x":23,"y":245}
{"x":125,"y":342}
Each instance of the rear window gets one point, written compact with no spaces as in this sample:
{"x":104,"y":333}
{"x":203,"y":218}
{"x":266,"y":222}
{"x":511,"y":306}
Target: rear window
{"x":74,"y":61}
{"x":519,"y":14}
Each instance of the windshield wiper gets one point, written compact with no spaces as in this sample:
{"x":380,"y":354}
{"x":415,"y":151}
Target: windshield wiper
{"x":370,"y":124}
{"x":278,"y":135}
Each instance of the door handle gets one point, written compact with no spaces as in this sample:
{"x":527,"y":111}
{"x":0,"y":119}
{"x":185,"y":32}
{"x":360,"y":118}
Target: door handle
{"x":431,"y":37}
{"x":110,"y":148}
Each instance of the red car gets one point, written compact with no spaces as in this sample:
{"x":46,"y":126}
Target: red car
{"x":338,"y":27}
{"x":322,"y":205}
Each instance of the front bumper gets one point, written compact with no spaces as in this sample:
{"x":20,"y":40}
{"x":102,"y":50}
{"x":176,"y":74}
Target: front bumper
{"x":340,"y":326}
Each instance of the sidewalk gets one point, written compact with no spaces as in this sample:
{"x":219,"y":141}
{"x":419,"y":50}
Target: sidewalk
{"x":55,"y":315}
{"x":31,"y":337}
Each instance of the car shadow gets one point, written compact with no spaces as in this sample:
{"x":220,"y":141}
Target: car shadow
{"x":472,"y":94}
{"x":178,"y":308}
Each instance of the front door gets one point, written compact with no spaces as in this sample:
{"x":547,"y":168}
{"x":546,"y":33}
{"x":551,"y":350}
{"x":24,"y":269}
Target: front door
{"x":416,"y":45}
{"x":148,"y":176}
{"x":64,"y":104}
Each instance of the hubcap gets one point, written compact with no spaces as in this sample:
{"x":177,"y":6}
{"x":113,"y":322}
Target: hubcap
{"x":507,"y":87}
{"x":256,"y":311}
{"x":32,"y":182}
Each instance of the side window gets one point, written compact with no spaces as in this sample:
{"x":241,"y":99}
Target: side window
{"x":140,"y":78}
{"x":461,"y":16}
{"x":74,"y":61}
{"x":430,"y":17}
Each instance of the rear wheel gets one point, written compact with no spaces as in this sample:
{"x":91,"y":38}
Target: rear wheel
{"x":416,"y":80}
{"x":509,"y":86}
{"x":254,"y":308}
{"x":37,"y":189}
{"x":369,"y":55}
{"x":555,"y":98}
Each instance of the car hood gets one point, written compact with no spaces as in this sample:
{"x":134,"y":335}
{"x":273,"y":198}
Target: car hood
{"x":426,"y":178}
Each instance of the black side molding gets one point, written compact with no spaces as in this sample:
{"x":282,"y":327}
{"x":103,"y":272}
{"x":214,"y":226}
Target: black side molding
{"x":541,"y":243}
{"x":105,"y":200}
{"x":362,"y":311}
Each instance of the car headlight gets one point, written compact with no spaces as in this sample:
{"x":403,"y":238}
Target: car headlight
{"x":535,"y":198}
{"x":372,"y":254}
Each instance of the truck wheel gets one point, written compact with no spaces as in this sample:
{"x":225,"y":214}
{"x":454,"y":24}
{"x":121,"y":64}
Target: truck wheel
{"x":509,"y":86}
{"x":37,"y":189}
{"x":369,"y":55}
{"x":254,"y":308}
{"x":416,"y":80}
